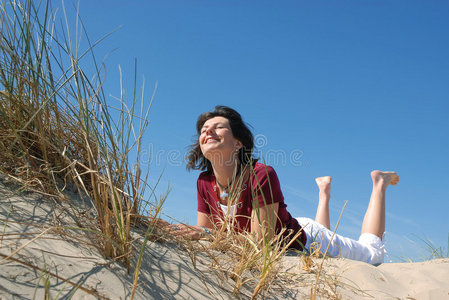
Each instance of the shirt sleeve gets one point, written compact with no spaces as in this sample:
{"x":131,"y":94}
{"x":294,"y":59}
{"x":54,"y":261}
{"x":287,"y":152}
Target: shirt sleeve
{"x":202,"y":196}
{"x":266,"y":188}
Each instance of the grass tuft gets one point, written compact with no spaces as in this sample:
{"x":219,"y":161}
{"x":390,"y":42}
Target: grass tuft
{"x":433,"y":251}
{"x":249,"y":260}
{"x":57,"y":128}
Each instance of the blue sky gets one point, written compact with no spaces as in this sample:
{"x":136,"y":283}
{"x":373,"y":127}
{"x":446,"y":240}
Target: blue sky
{"x":333,"y":88}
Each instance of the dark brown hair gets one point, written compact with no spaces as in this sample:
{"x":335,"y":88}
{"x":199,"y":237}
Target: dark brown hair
{"x":240,"y":131}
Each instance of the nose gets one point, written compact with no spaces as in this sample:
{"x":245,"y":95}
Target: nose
{"x":210,"y":130}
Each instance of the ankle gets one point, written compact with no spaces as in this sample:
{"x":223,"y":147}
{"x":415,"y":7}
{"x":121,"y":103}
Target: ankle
{"x":380,"y":186}
{"x":325,"y":193}
{"x":324,"y":202}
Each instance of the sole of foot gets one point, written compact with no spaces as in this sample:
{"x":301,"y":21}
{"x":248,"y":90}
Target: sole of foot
{"x":388,"y":177}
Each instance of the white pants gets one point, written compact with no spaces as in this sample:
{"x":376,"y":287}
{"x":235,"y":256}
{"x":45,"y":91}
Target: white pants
{"x":369,"y":248}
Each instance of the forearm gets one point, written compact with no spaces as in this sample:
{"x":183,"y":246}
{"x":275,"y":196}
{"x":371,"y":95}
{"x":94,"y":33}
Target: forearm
{"x":263,"y":222}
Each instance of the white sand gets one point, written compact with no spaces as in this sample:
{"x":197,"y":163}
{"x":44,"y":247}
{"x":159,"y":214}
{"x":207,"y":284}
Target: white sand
{"x":167,"y":272}
{"x":357,"y":280}
{"x":76,"y":268}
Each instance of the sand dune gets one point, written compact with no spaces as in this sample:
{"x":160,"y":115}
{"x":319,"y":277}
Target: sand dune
{"x":42,"y":246}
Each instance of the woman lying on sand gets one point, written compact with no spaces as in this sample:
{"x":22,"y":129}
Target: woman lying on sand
{"x":224,"y":152}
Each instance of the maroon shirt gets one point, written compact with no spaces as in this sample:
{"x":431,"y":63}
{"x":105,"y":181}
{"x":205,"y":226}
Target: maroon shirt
{"x":263,"y":186}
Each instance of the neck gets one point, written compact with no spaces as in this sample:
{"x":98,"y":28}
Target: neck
{"x":224,"y":173}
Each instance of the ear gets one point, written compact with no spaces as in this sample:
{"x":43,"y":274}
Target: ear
{"x":238,"y":144}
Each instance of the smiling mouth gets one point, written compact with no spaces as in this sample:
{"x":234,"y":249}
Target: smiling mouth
{"x":210,"y":139}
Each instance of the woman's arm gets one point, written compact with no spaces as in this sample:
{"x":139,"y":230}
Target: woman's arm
{"x":191,"y":231}
{"x":203,"y":219}
{"x":263,"y":220}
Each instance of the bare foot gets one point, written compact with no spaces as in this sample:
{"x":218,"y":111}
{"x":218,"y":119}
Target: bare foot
{"x":384,"y":178}
{"x":324,"y":183}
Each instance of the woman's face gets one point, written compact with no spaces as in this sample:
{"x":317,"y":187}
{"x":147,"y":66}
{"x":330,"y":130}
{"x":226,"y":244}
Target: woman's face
{"x":216,"y":140}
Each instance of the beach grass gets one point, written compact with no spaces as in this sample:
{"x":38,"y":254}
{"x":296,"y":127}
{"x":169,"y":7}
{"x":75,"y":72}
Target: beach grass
{"x":250,"y":260}
{"x":58,"y":129}
{"x":432,"y":250}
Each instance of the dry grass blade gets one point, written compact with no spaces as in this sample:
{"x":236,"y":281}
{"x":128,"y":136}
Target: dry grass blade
{"x":4,"y":226}
{"x":248,"y":259}
{"x":27,"y":243}
{"x":150,"y":229}
{"x":315,"y":286}
{"x":87,"y":290}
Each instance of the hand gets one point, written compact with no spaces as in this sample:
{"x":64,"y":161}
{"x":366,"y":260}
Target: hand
{"x":188,"y":231}
{"x":162,"y":223}
{"x":158,"y":222}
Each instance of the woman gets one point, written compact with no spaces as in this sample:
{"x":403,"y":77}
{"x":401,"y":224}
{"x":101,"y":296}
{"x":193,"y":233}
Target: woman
{"x":224,"y":152}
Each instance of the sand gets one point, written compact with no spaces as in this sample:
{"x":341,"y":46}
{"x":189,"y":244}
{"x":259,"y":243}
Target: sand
{"x":43,"y":252}
{"x":357,"y":280}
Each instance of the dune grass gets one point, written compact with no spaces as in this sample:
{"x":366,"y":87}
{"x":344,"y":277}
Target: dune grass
{"x":256,"y":261}
{"x":437,"y":252}
{"x":57,"y":128}
{"x":249,"y":260}
{"x":243,"y":258}
{"x":431,"y":250}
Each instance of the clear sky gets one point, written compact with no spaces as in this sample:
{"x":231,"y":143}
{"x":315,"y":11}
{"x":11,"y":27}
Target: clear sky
{"x":335,"y":88}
